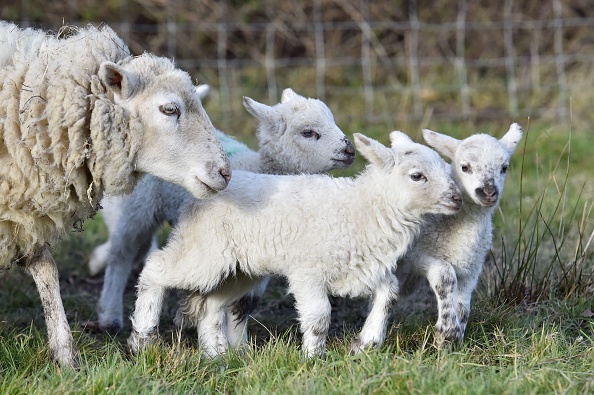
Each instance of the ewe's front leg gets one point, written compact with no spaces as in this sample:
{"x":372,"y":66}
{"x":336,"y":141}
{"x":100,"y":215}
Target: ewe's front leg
{"x":373,"y":332}
{"x":314,"y":315}
{"x":45,"y":274}
{"x":442,"y":278}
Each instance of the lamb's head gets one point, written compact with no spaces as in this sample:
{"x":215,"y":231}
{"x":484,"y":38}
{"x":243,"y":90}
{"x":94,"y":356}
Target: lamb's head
{"x":299,"y":135}
{"x":178,"y":141}
{"x":479,"y":162}
{"x":413,"y":175}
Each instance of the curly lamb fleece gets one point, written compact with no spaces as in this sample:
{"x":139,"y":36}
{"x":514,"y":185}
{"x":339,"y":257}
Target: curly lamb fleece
{"x":53,"y":147}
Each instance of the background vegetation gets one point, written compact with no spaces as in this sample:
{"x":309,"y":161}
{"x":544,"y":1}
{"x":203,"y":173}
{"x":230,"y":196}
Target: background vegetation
{"x":531,"y":327}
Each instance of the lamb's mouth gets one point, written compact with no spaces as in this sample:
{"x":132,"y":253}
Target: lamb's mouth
{"x":347,"y":161}
{"x":210,"y":190}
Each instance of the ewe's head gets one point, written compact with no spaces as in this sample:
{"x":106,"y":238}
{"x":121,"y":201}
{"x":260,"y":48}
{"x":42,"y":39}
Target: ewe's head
{"x":177,"y":141}
{"x":300,"y":135}
{"x":413,"y":175}
{"x":479,"y":162}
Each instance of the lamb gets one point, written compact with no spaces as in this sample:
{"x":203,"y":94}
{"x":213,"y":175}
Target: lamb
{"x":451,"y":250}
{"x":80,"y":117}
{"x":297,"y":135}
{"x":339,"y":236}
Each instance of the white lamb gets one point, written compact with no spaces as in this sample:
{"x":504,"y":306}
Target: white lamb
{"x":79,"y":117}
{"x":451,"y":250}
{"x":298,"y":135}
{"x":339,"y":236}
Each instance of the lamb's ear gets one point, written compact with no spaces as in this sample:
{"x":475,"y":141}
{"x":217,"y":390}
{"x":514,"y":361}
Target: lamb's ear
{"x":288,"y":94}
{"x":512,"y":137}
{"x":268,"y":116}
{"x":374,"y":151}
{"x":202,"y":91}
{"x":117,"y":79}
{"x":397,"y":137}
{"x":443,"y":144}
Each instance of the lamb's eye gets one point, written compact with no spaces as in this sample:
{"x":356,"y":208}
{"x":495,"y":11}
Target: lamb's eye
{"x":418,"y":177}
{"x":308,"y":134}
{"x":504,"y":169}
{"x":169,"y":109}
{"x":465,"y":169}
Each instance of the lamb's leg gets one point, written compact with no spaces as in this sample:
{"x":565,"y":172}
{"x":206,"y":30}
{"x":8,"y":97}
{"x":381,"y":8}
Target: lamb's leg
{"x":45,"y":274}
{"x":239,"y":312}
{"x":443,"y":281}
{"x":315,"y":311}
{"x":209,"y":313}
{"x":130,"y":241}
{"x":374,"y":329}
{"x":145,"y":320}
{"x":466,"y":285}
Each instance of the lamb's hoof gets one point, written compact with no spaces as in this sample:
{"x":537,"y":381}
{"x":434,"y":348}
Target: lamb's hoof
{"x":358,"y":346}
{"x":448,"y":338}
{"x":137,"y":342}
{"x":112,"y":327}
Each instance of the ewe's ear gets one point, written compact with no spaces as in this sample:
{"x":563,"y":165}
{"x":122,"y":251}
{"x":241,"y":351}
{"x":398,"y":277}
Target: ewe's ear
{"x":512,"y":137}
{"x":268,"y":116}
{"x":202,"y":91}
{"x":288,"y":94}
{"x":117,"y":79}
{"x":443,"y":144}
{"x":397,"y":137}
{"x":375,"y":152}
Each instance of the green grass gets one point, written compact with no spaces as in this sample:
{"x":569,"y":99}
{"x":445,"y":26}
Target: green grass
{"x":531,"y":328}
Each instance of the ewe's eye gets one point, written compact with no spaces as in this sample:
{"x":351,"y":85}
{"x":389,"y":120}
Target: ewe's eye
{"x":504,"y":169}
{"x":465,"y":169}
{"x":418,"y":177}
{"x":308,"y":134}
{"x":169,"y":109}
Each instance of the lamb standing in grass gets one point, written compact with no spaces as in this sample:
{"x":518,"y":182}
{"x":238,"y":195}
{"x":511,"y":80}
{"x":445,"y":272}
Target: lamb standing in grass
{"x":298,"y":135}
{"x":451,"y":250}
{"x":339,"y":236}
{"x":80,"y":116}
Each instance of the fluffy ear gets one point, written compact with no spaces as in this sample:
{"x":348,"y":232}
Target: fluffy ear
{"x":117,"y":79}
{"x":375,"y":152}
{"x":266,"y":115}
{"x":512,"y":137}
{"x":443,"y":144}
{"x":397,"y":137}
{"x":202,"y":91}
{"x":287,"y":95}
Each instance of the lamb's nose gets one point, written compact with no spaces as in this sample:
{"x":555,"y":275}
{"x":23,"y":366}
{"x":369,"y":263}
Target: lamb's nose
{"x":225,"y":175}
{"x":488,"y":190}
{"x":457,"y":200}
{"x":350,"y":148}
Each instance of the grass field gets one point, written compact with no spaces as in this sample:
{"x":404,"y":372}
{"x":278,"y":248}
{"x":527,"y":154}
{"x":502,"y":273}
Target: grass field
{"x":531,"y":328}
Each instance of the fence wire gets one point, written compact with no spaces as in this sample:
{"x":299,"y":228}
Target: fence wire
{"x":402,"y":60}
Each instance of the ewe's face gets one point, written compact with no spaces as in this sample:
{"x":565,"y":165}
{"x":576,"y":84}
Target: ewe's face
{"x":425,"y":181}
{"x":480,"y":167}
{"x":316,"y":142}
{"x":179,"y":142}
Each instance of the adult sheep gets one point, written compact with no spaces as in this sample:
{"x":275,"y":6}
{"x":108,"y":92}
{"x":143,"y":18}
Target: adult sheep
{"x":339,"y":236}
{"x":80,"y":117}
{"x":297,"y":135}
